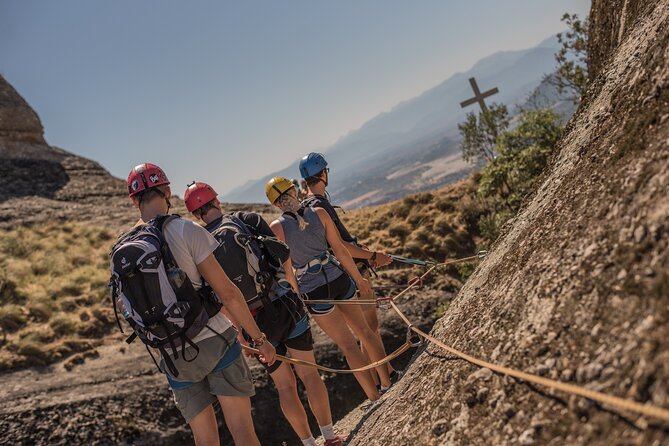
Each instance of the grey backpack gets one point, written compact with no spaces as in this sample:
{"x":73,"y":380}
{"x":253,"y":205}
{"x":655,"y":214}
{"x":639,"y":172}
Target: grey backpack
{"x":158,"y":299}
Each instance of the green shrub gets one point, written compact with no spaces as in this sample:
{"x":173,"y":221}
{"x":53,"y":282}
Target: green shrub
{"x":441,"y":309}
{"x":491,"y":224}
{"x":465,"y":270}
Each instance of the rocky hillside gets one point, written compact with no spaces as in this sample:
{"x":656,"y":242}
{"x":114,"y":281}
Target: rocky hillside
{"x":70,"y":379}
{"x":577,"y":288}
{"x":42,"y":183}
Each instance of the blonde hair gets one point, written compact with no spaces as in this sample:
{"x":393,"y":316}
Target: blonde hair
{"x":288,"y":203}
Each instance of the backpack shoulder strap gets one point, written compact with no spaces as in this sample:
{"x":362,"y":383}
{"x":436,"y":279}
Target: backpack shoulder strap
{"x":159,"y":223}
{"x":237,"y":221}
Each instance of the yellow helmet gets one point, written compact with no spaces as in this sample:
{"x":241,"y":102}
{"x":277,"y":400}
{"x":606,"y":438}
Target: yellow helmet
{"x":276,"y":187}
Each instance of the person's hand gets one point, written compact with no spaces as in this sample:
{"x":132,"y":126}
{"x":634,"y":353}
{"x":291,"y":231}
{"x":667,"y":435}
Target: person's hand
{"x":382,"y":259}
{"x":267,"y":353}
{"x":364,"y":288}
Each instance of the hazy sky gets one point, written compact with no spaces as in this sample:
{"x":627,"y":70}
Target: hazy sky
{"x":228,"y":91}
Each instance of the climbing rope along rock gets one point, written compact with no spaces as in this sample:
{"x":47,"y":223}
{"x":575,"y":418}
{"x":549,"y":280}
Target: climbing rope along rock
{"x":614,"y":401}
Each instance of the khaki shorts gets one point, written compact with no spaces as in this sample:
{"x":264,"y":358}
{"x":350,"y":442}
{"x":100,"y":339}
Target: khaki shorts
{"x":233,"y":380}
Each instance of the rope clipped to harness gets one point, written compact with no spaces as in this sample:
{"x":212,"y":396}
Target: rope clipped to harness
{"x":403,"y":348}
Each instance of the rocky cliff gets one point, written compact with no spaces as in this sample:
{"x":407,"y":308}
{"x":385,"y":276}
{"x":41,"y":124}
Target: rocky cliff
{"x":577,"y":289}
{"x":39,"y":182}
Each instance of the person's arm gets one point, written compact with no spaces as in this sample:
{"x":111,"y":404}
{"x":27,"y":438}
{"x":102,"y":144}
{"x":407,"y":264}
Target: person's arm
{"x":357,"y":252}
{"x":375,"y":258}
{"x":277,"y":230}
{"x":234,"y":302}
{"x":341,"y":253}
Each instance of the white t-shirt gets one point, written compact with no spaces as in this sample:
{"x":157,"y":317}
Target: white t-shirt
{"x":191,"y":244}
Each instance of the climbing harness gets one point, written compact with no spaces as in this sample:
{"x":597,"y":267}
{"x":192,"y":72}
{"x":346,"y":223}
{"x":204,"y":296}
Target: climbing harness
{"x":316,"y":265}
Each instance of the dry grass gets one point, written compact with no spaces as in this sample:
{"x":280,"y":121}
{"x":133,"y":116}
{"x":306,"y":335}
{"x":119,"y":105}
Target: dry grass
{"x":54,"y":301}
{"x":436,"y":225}
{"x":53,"y":294}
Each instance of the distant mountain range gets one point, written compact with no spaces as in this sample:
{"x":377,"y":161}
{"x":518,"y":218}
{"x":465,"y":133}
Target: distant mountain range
{"x":415,"y":146}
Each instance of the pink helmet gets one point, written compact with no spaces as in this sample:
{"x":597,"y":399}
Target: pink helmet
{"x":197,"y":195}
{"x":145,"y":176}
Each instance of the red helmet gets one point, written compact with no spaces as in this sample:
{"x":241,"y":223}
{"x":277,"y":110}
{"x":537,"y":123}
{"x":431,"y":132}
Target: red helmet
{"x":197,"y":195}
{"x":145,"y":176}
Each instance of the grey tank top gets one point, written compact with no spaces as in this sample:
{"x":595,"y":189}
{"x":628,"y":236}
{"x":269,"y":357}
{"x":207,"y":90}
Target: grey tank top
{"x":306,"y":246}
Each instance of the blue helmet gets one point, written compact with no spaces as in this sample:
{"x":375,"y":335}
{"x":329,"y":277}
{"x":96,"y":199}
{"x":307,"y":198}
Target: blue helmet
{"x":312,"y":164}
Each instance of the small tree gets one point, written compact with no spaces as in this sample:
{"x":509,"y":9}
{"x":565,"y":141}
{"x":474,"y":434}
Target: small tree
{"x":524,"y":153}
{"x":480,"y":132}
{"x":572,"y":72}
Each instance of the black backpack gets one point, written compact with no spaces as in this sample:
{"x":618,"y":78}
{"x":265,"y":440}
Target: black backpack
{"x":252,"y":261}
{"x":157,"y":297}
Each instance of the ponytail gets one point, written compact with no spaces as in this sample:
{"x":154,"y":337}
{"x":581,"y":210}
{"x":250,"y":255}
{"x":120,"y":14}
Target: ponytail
{"x":289,"y":204}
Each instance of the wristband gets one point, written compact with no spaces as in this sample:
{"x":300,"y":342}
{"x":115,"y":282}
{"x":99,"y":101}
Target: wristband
{"x":373,"y":257}
{"x":258,"y":342}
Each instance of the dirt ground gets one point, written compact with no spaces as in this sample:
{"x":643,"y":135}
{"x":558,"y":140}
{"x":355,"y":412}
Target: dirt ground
{"x":117,"y":396}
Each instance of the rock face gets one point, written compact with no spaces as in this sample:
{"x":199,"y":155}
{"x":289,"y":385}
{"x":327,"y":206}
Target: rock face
{"x":39,"y":182}
{"x":18,"y":122}
{"x":577,"y":289}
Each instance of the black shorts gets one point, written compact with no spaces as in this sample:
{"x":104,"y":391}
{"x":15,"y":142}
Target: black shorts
{"x":342,"y":288}
{"x":286,"y":326}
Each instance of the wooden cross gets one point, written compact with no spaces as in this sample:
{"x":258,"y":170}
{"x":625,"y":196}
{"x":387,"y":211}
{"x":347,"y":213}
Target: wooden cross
{"x":478,"y":96}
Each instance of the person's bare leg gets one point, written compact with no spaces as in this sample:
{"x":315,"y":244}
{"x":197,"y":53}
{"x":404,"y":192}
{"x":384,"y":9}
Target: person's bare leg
{"x":334,"y":325}
{"x":372,"y":319}
{"x":365,"y":312}
{"x":371,"y":340}
{"x":369,"y":311}
{"x":291,"y":406}
{"x":205,"y":428}
{"x":317,"y":393}
{"x":237,"y":413}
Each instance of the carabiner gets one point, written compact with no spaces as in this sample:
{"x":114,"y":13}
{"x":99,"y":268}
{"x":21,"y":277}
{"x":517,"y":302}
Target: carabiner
{"x":382,"y":302}
{"x":416,"y":282}
{"x":414,"y":339}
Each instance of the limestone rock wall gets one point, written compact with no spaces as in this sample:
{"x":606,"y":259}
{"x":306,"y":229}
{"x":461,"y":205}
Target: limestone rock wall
{"x":577,"y":289}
